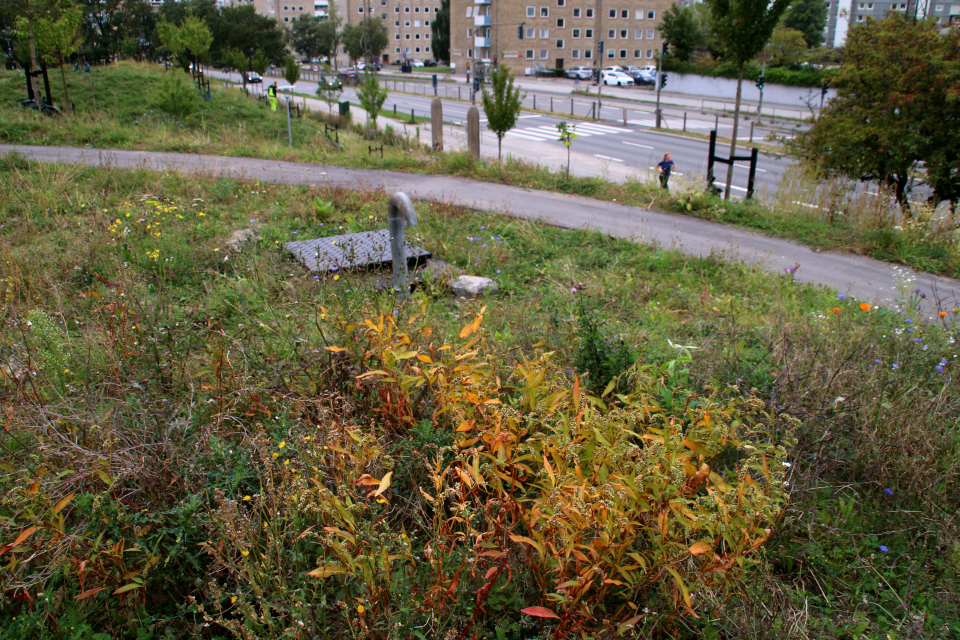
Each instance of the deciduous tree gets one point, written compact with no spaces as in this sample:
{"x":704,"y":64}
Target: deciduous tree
{"x":502,"y":104}
{"x":59,"y":38}
{"x":440,"y":30}
{"x":680,"y":27}
{"x":365,"y":40}
{"x":305,"y":35}
{"x":897,"y":110}
{"x":371,"y":97}
{"x":743,"y":28}
{"x":808,"y":17}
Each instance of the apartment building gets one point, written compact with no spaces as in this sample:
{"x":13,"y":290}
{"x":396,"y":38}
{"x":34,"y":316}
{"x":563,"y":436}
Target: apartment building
{"x":408,"y":24}
{"x":557,"y":34}
{"x":284,"y":11}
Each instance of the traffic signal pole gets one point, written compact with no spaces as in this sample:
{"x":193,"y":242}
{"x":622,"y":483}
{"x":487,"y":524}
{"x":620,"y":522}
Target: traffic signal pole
{"x":660,"y":80}
{"x":760,"y":81}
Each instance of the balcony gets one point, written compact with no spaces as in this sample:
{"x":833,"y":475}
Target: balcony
{"x":481,"y":1}
{"x":481,"y":21}
{"x":481,"y":41}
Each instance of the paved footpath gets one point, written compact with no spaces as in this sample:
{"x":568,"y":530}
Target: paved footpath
{"x":863,"y":278}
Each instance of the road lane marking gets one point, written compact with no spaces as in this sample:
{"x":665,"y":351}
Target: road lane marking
{"x":597,"y":155}
{"x":634,"y":144}
{"x":746,"y":166}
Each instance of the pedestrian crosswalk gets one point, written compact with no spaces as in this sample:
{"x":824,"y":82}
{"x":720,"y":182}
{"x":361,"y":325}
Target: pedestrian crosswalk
{"x":550,"y":133}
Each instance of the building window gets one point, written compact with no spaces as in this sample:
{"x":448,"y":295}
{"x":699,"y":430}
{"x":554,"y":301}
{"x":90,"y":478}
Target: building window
{"x":560,"y":23}
{"x":396,"y":9}
{"x":544,"y":34}
{"x":638,"y":34}
{"x":286,"y":19}
{"x":862,"y":5}
{"x":417,"y":49}
{"x":469,"y":53}
{"x":625,"y":13}
{"x":623,"y":53}
{"x":613,"y":14}
{"x":939,"y":7}
{"x":588,"y":33}
{"x":383,"y":16}
{"x":416,"y":36}
{"x":575,"y":54}
{"x":612,"y":34}
{"x":561,"y":3}
{"x":396,"y":36}
{"x":623,"y":34}
{"x":531,"y":12}
{"x":576,"y":33}
{"x":639,"y":14}
{"x":870,"y":5}
{"x":407,"y":36}
{"x":426,"y":36}
{"x":637,"y":53}
{"x":359,"y":9}
{"x":426,"y":49}
{"x":406,"y":23}
{"x":416,"y":23}
{"x":611,"y":53}
{"x":469,"y":32}
{"x":531,"y":33}
{"x":426,"y":23}
{"x":543,"y":54}
{"x":589,"y":13}
{"x":559,"y":44}
{"x":651,"y":15}
{"x":649,"y":53}
{"x":396,"y":23}
{"x":397,"y":50}
{"x":406,"y":9}
{"x":859,"y":18}
{"x":288,"y":8}
{"x":588,"y":53}
{"x":416,"y":9}
{"x":544,"y":12}
{"x":649,"y":34}
{"x":529,"y":54}
{"x":576,"y":12}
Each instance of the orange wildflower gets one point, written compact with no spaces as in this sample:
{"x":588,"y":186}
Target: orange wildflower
{"x":865,"y":306}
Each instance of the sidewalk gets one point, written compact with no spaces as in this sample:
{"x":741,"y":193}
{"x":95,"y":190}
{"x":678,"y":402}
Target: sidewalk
{"x":861,"y":277}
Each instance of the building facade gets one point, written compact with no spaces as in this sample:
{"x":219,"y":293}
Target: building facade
{"x":408,"y":24}
{"x":557,"y":34}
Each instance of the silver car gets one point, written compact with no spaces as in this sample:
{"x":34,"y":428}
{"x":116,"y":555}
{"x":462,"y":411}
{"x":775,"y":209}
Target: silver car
{"x":581,"y":73}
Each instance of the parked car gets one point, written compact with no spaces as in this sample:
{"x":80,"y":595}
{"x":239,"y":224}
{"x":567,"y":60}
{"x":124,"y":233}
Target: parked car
{"x":348,"y":72}
{"x":640,"y":76}
{"x":361,"y":65}
{"x":330,"y":83}
{"x":615,"y":68}
{"x":430,"y":63}
{"x":581,"y":73}
{"x":617,"y":78}
{"x":416,"y":63}
{"x":252,"y":77}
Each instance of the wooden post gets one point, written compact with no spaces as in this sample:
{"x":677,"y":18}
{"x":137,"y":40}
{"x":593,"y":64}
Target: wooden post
{"x":684,"y":121}
{"x":436,"y":124}
{"x":473,"y":132}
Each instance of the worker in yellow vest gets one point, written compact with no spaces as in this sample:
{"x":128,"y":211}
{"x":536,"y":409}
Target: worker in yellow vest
{"x":272,"y":94}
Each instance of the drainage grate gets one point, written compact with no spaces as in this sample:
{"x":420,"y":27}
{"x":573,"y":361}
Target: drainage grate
{"x":369,"y":248}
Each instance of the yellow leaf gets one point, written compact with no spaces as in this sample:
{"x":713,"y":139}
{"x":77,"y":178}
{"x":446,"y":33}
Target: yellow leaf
{"x":384,"y":483}
{"x":335,"y":349}
{"x":57,"y":508}
{"x":327,"y":570}
{"x":700,"y":548}
{"x":127,"y":587}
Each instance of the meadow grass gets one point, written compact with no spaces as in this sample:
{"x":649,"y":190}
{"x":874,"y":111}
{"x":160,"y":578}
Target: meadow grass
{"x":158,"y":389}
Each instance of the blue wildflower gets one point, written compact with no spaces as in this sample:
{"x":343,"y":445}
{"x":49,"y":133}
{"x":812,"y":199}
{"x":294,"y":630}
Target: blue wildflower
{"x":884,"y":549}
{"x":888,"y":491}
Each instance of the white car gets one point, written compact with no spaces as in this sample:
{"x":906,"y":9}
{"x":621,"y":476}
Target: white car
{"x":416,"y":63}
{"x":579,"y":73}
{"x":617,"y":78}
{"x":614,"y":68}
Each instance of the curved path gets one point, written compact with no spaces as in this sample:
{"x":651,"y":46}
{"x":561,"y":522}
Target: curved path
{"x":858,"y":276}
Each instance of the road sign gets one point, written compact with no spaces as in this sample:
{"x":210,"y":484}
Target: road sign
{"x":315,"y":67}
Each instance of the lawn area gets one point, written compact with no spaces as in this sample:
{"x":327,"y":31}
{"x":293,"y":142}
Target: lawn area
{"x":207,"y":443}
{"x":128,"y":106}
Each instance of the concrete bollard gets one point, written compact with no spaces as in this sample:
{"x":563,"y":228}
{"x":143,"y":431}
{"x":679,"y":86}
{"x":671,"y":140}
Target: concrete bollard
{"x":436,"y":124}
{"x":400,"y":214}
{"x":473,"y":132}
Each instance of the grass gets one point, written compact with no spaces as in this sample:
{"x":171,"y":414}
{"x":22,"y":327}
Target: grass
{"x":149,"y":375}
{"x":237,"y":126}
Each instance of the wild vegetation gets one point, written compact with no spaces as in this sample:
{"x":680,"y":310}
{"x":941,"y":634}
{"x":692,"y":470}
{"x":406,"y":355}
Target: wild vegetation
{"x":207,"y":443}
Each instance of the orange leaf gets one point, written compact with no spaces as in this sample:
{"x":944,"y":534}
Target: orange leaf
{"x":335,"y":349}
{"x":539,"y":612}
{"x":89,"y":592}
{"x":700,"y":548}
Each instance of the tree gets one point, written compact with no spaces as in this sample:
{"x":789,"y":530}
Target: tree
{"x":680,"y":27}
{"x":786,"y":47}
{"x":59,"y":38}
{"x":244,"y":29}
{"x":29,"y":10}
{"x":259,"y":62}
{"x":897,"y":109}
{"x":291,"y":71}
{"x":195,"y":37}
{"x":371,"y":96}
{"x":235,"y":59}
{"x":138,"y":22}
{"x":440,"y":30}
{"x":567,"y":136}
{"x":502,"y":105}
{"x":305,"y":35}
{"x":365,"y":40}
{"x":743,"y":28}
{"x":102,"y":28}
{"x":329,"y":40}
{"x":808,"y":17}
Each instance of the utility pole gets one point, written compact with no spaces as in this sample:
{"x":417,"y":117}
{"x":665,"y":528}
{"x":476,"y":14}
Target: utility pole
{"x":660,"y":79}
{"x":760,"y":82}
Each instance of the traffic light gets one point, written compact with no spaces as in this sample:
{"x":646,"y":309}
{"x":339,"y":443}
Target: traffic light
{"x":823,"y":89}
{"x":760,"y":82}
{"x":665,"y":46}
{"x":520,"y":31}
{"x":663,"y":80}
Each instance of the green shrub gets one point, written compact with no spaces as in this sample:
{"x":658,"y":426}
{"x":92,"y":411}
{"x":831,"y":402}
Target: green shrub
{"x":177,"y":96}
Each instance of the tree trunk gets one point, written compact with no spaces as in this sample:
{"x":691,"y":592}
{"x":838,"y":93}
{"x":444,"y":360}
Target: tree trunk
{"x":34,"y":65}
{"x":499,"y":146}
{"x":736,"y":127}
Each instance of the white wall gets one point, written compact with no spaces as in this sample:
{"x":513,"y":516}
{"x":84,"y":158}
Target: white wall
{"x":725,"y":90}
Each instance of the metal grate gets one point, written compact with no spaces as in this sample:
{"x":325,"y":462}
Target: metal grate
{"x":369,"y":248}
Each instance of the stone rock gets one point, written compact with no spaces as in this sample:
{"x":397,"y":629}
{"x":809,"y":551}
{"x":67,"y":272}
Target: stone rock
{"x":239,"y":238}
{"x":473,"y":286}
{"x":442,"y":269}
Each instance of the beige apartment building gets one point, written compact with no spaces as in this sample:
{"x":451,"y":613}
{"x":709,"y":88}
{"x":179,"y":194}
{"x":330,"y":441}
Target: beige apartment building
{"x":408,"y":24}
{"x":557,"y":34}
{"x":285,"y":11}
